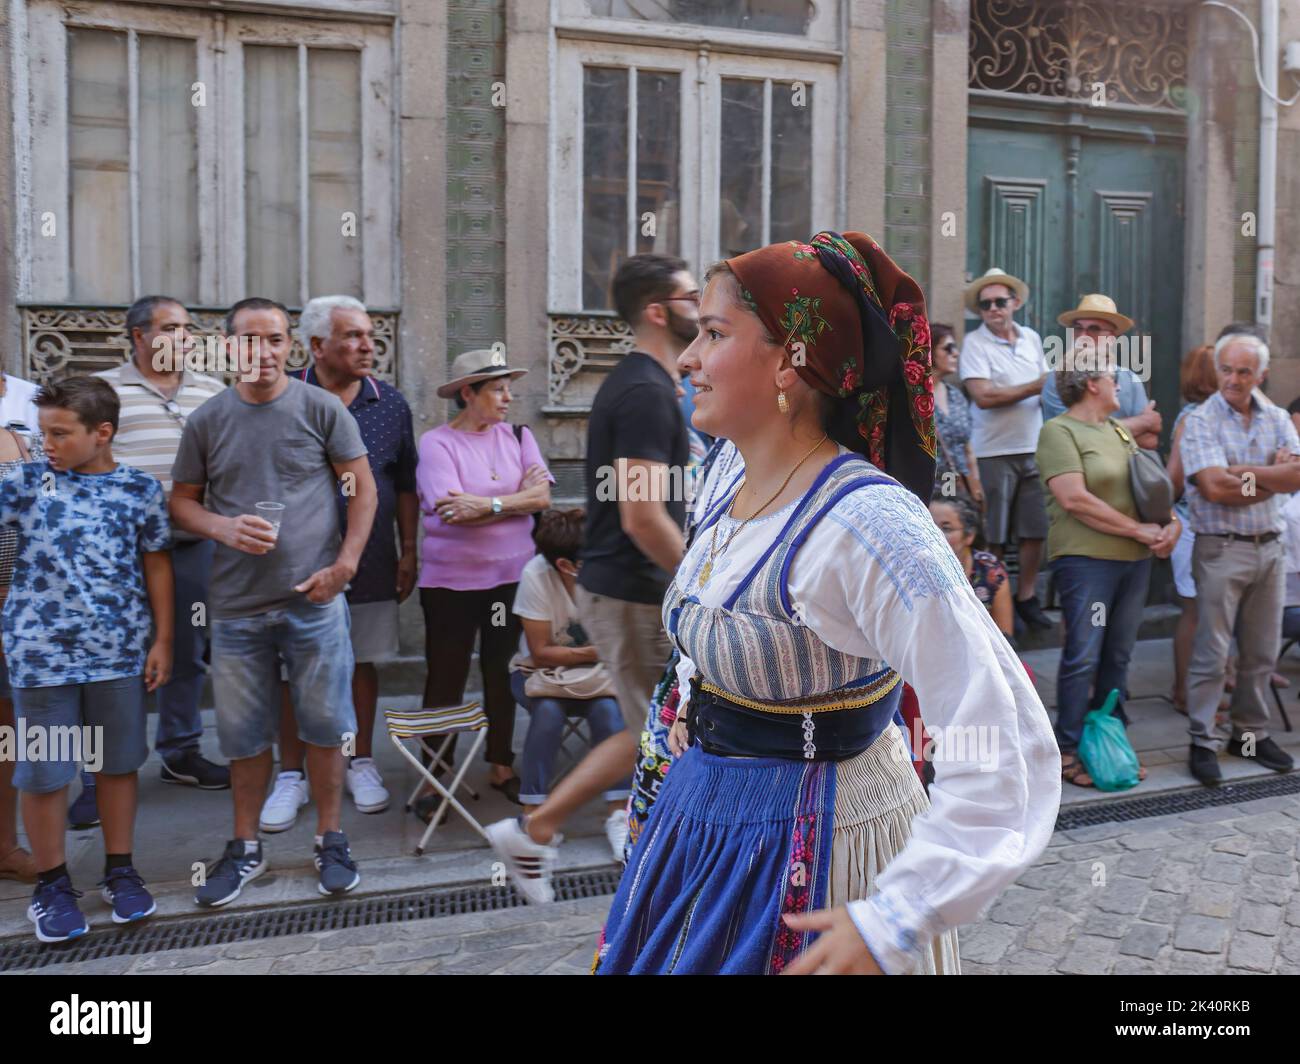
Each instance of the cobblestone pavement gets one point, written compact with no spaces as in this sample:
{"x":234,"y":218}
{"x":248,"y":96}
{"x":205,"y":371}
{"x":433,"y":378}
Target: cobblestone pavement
{"x":1213,"y":890}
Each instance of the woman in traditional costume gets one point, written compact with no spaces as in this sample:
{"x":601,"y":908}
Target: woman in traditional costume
{"x":792,"y":835}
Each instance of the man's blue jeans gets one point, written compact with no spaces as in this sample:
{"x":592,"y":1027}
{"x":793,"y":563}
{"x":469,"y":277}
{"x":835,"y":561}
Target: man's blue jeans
{"x":1101,"y":604}
{"x":179,"y":723}
{"x":546,"y":729}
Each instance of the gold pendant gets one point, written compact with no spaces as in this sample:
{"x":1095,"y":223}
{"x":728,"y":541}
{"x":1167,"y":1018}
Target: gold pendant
{"x":706,"y":572}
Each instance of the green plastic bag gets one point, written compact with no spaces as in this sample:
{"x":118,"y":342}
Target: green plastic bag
{"x":1105,"y":750}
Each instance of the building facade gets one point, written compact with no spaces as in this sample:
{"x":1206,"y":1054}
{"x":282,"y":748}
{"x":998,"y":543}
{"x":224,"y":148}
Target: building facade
{"x":474,"y":170}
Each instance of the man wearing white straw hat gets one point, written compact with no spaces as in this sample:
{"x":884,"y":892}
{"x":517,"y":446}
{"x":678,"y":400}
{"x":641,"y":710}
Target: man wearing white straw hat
{"x":1004,"y":368}
{"x":1096,"y":322}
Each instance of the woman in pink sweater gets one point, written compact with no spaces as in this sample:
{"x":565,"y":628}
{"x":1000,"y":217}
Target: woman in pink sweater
{"x":480,"y":481}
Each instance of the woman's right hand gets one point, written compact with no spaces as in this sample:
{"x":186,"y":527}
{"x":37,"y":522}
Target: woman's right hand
{"x":678,"y":740}
{"x":1147,"y":535}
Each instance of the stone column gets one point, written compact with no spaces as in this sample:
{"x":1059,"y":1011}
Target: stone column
{"x":1210,"y":205}
{"x":1284,"y":372}
{"x":948,"y":136}
{"x":527,"y":266}
{"x":864,"y":93}
{"x":422,"y":135}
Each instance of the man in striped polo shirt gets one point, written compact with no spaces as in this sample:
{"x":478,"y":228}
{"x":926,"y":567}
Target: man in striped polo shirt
{"x":158,"y":393}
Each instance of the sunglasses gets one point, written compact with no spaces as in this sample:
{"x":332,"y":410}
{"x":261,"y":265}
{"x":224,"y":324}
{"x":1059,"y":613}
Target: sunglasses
{"x":999,"y":302}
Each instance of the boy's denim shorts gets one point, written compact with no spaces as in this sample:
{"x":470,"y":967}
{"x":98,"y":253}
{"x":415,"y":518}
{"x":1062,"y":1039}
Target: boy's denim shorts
{"x":315,"y":644}
{"x":116,"y":743}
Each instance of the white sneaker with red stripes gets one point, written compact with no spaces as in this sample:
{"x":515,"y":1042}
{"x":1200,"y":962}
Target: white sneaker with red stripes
{"x":529,"y":863}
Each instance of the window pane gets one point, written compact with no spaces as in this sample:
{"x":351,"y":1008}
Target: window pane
{"x":99,"y":163}
{"x":740,"y":192}
{"x":658,"y":149}
{"x":772,"y":16}
{"x":604,"y":181}
{"x":168,"y":144}
{"x":334,"y":171}
{"x":791,"y":217}
{"x":273,"y":229}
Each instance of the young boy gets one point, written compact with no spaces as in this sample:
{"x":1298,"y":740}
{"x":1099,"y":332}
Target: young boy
{"x":93,"y":541}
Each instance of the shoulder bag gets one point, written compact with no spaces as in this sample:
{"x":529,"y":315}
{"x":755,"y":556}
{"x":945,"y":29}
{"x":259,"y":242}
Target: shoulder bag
{"x":1153,"y":491}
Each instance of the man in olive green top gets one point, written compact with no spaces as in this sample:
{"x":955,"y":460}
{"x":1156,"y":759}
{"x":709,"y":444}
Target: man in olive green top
{"x":1099,"y":550}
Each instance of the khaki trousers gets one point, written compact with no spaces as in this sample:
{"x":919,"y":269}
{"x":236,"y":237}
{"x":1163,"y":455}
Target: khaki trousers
{"x":1240,"y":587}
{"x":630,"y":639}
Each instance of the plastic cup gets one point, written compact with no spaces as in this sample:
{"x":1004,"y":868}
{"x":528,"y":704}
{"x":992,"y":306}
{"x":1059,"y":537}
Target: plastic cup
{"x":272,"y":512}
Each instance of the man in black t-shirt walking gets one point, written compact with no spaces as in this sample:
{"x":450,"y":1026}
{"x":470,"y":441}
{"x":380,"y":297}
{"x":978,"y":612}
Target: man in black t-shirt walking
{"x":637,"y":455}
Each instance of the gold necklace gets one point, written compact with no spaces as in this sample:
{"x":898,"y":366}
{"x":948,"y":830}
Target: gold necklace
{"x":714,"y":550}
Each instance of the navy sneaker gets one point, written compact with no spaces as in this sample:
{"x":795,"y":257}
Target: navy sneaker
{"x":227,"y":877}
{"x":191,"y":769}
{"x":338,"y":872}
{"x":84,"y":812}
{"x":125,"y":891}
{"x":55,"y":912}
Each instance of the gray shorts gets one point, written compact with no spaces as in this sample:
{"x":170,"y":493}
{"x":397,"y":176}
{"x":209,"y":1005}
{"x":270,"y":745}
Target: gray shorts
{"x":1013,"y":499}
{"x":374,"y":631}
{"x":100,"y":723}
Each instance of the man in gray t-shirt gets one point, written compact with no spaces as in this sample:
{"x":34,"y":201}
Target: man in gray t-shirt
{"x":276,"y":588}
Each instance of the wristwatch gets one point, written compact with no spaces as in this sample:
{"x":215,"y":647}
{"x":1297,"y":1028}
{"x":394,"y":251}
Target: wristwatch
{"x":497,"y":506}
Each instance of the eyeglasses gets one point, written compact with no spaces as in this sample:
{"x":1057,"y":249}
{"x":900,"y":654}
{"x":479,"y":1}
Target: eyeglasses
{"x":693,"y":298}
{"x":174,"y":409}
{"x":950,"y":347}
{"x":999,"y":302}
{"x":1094,"y":330}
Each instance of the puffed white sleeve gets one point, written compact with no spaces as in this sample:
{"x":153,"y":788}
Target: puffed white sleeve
{"x":881,"y":581}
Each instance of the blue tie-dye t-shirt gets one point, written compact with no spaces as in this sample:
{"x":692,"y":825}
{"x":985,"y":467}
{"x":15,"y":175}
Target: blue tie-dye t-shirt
{"x":77,"y":610}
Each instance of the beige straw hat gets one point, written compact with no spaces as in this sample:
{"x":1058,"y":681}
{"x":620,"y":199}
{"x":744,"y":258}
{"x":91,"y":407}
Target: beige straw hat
{"x":475,"y":366}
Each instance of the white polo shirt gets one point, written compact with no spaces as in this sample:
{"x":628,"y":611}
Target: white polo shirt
{"x":1004,"y":364}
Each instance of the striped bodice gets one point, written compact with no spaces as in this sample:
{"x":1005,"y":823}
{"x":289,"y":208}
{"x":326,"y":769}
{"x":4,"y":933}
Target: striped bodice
{"x":754,"y":645}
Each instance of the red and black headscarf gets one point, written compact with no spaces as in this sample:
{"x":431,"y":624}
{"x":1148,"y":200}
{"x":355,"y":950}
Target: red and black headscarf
{"x":855,"y":327}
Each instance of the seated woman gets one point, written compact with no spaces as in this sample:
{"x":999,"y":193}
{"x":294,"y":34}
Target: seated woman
{"x":556,"y":643}
{"x":959,"y":521}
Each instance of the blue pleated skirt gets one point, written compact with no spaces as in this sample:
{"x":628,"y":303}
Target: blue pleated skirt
{"x":732,"y":844}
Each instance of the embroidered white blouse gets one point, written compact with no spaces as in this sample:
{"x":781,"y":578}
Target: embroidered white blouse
{"x":876,"y":579}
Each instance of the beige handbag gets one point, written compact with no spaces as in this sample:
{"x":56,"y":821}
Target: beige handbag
{"x":570,"y":681}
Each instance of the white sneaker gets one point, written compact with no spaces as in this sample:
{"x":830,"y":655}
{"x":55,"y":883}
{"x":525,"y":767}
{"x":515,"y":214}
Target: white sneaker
{"x":280,"y":810}
{"x":616,"y":832}
{"x":529,"y":863}
{"x":366,"y":786}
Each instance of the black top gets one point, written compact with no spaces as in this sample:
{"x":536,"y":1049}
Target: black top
{"x":635,"y":415}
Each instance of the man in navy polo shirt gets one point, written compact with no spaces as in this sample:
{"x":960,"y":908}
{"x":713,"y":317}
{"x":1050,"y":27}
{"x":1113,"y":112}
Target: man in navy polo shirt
{"x":338,"y":333}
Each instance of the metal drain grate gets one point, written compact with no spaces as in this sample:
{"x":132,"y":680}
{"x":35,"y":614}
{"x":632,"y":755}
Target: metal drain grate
{"x":1178,"y":802}
{"x":188,"y":932}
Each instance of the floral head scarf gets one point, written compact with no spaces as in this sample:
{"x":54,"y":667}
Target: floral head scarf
{"x":854,"y":325}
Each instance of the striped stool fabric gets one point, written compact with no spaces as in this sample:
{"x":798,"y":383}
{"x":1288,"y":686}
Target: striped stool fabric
{"x":417,"y":728}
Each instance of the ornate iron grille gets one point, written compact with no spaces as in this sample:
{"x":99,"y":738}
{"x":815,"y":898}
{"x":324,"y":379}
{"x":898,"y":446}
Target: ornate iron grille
{"x":63,"y":340}
{"x":585,"y":347}
{"x":1068,"y":48}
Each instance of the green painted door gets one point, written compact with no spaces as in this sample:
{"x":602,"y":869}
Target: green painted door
{"x":1076,"y":200}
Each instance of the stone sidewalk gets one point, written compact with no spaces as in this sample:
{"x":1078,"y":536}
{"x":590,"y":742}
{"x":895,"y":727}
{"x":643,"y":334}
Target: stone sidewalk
{"x":1212,"y":891}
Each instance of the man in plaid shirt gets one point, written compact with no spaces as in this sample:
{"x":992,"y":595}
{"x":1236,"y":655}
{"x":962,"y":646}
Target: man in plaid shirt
{"x":1243,"y":455}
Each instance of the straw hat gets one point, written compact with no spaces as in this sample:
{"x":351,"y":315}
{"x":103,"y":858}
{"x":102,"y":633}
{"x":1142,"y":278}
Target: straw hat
{"x":475,"y":366}
{"x":995,"y":276}
{"x":1097,"y":306}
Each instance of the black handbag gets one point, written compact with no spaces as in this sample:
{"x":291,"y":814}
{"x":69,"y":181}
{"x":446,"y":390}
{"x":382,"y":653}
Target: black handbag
{"x":1153,"y":491}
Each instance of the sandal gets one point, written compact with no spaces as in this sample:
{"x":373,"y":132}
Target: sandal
{"x":1072,"y":771}
{"x":426,"y":804}
{"x":510,"y":788}
{"x":18,"y":864}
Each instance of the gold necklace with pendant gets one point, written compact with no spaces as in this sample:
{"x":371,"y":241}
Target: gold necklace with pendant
{"x":714,"y":550}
